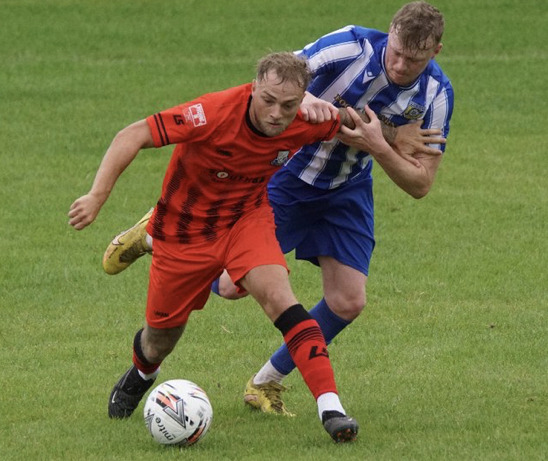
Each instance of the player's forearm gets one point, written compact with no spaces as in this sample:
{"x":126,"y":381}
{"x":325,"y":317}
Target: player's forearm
{"x":389,"y":132}
{"x":108,"y":173}
{"x":416,"y":181}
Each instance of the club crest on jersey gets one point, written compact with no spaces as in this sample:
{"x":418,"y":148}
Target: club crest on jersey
{"x":414,"y":111}
{"x":282,"y":157}
{"x":196,"y":115}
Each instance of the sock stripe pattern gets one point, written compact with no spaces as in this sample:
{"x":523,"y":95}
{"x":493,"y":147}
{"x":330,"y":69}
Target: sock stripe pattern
{"x":139,"y":359}
{"x":308,"y":350}
{"x":310,"y":334}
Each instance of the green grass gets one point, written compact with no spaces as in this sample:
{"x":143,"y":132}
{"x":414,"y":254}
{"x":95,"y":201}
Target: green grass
{"x":449,"y":360}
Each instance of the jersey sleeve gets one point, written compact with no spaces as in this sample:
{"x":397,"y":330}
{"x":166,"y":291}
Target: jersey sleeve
{"x":189,"y":122}
{"x":439,"y":113}
{"x":316,"y":132}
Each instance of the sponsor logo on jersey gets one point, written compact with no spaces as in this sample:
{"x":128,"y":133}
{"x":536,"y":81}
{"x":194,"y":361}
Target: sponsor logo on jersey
{"x":414,"y":111}
{"x":196,"y":115}
{"x":340,"y":100}
{"x":218,"y":176}
{"x":282,"y":157}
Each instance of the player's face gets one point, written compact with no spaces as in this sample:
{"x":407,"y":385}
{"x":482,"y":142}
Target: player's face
{"x":274,"y":105}
{"x":404,"y":65}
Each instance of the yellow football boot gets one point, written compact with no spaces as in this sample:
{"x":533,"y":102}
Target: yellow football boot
{"x":266,"y":397}
{"x":127,"y":247}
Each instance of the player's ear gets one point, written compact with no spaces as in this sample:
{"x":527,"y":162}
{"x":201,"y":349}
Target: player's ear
{"x":254,"y":85}
{"x":438,"y":48}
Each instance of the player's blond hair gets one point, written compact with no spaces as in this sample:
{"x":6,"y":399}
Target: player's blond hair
{"x":287,"y":66}
{"x":419,"y":25}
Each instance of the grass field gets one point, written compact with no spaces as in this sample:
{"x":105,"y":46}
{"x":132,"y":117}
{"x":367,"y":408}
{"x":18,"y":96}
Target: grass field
{"x":450,"y":360}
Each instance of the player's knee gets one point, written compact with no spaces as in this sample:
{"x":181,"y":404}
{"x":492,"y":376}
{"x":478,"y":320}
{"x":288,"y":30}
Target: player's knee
{"x":348,"y":304}
{"x":275,"y":302}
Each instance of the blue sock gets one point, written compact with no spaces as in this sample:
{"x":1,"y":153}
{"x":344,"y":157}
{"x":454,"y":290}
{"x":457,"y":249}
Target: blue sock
{"x":330,"y":324}
{"x":215,"y":286}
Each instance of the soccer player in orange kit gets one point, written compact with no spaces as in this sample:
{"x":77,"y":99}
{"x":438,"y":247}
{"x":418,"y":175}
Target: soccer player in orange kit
{"x":213,"y":214}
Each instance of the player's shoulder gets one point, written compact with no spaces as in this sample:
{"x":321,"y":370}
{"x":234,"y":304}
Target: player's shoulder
{"x":369,"y":32}
{"x":364,"y":33}
{"x":226,"y":103}
{"x":436,"y":72}
{"x":350,"y":41}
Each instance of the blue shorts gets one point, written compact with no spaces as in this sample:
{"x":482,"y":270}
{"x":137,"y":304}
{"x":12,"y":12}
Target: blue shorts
{"x":316,"y":222}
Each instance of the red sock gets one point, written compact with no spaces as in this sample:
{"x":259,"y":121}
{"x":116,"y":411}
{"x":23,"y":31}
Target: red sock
{"x":308,"y":350}
{"x":139,"y":359}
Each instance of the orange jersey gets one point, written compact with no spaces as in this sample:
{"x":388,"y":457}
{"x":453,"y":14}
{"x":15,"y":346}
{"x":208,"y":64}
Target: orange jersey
{"x":221,"y":164}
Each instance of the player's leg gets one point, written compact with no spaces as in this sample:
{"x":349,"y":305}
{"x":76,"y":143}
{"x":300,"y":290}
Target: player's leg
{"x":269,"y":285}
{"x":137,"y":380}
{"x":344,"y":290}
{"x":256,"y":263}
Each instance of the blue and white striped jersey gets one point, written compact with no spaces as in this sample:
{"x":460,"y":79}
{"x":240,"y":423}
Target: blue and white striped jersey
{"x":348,"y":67}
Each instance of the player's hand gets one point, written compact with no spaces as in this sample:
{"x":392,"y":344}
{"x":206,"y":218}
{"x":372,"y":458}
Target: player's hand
{"x":83,"y":211}
{"x":315,"y":110}
{"x":366,"y":136}
{"x":411,"y":139}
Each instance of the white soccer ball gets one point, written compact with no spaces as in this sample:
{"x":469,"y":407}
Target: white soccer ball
{"x":178,"y":412}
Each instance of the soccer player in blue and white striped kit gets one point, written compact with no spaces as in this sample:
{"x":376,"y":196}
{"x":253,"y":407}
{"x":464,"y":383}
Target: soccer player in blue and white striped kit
{"x":323,"y":197}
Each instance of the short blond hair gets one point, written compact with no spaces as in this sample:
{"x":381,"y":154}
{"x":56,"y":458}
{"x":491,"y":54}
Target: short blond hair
{"x":419,"y":25}
{"x":287,"y":66}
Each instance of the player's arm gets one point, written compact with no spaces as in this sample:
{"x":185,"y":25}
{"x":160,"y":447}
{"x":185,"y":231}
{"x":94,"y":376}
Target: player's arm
{"x":407,"y":140}
{"x":414,"y":176}
{"x":124,"y":148}
{"x":316,"y":110}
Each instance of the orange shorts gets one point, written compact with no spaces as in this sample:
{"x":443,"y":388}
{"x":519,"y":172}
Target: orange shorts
{"x":181,"y":274}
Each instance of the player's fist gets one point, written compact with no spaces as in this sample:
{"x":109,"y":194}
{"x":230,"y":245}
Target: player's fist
{"x":83,"y":211}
